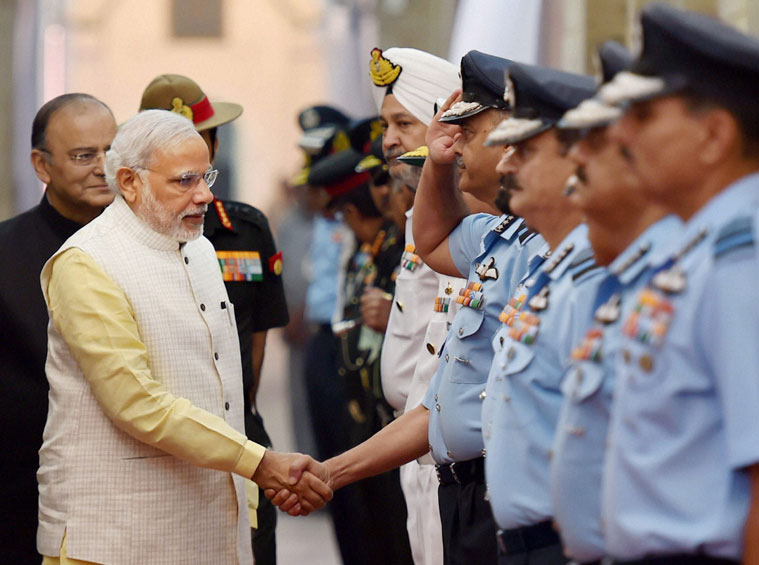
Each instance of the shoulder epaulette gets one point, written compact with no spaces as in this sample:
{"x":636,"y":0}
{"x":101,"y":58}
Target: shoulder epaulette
{"x":585,"y":268}
{"x":557,"y":258}
{"x":738,"y":233}
{"x":505,"y":223}
{"x":526,"y":234}
{"x":245,"y":210}
{"x":581,"y":257}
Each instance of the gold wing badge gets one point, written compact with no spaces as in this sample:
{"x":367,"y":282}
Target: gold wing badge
{"x":383,"y":71}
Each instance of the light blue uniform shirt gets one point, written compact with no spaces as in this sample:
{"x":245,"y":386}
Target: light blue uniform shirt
{"x":321,"y":296}
{"x":523,"y":395}
{"x":494,"y":252}
{"x":685,"y":416}
{"x":587,"y":387}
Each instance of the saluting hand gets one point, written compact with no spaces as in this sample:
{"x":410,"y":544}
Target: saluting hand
{"x":441,"y":136}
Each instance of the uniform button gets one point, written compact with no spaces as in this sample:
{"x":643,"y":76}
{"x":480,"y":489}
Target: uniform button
{"x":203,"y":307}
{"x":360,"y":361}
{"x":354,"y":300}
{"x":461,"y":331}
{"x":216,"y":355}
{"x":431,"y":348}
{"x":449,"y":453}
{"x":507,"y":398}
{"x":341,"y":371}
{"x":437,"y":407}
{"x":446,"y":358}
{"x":186,"y":260}
{"x":226,"y":406}
{"x":436,"y":398}
{"x":484,"y":452}
{"x":510,"y":353}
{"x":646,"y":363}
{"x":429,"y":446}
{"x":483,"y":394}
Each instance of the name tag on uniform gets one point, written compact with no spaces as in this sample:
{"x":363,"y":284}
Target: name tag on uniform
{"x":240,"y":265}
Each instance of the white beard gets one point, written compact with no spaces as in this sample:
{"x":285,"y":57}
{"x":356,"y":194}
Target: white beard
{"x":164,"y":221}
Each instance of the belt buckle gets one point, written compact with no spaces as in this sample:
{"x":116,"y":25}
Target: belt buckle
{"x":452,"y":467}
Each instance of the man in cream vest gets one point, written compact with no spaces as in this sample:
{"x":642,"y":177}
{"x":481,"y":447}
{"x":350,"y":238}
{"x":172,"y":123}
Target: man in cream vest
{"x":144,"y":456}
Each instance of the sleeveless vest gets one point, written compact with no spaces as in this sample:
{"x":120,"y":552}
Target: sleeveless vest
{"x":117,"y":499}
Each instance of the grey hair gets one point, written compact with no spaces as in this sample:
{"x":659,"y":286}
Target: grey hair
{"x":140,"y":137}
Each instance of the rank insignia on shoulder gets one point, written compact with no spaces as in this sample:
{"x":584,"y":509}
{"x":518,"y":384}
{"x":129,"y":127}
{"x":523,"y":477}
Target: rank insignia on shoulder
{"x":608,"y":312}
{"x":240,"y":265}
{"x":275,"y":263}
{"x":507,"y":221}
{"x":471,"y":296}
{"x":737,"y":234}
{"x":590,"y":348}
{"x":487,"y":270}
{"x":410,"y":260}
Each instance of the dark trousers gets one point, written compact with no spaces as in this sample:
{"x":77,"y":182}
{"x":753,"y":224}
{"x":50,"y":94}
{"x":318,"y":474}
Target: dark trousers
{"x":678,"y":559}
{"x":468,"y":525}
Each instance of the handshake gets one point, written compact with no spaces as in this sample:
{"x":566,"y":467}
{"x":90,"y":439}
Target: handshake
{"x":296,"y":483}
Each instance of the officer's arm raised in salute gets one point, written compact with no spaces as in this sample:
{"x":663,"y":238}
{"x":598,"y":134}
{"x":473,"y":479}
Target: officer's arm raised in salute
{"x":437,"y":197}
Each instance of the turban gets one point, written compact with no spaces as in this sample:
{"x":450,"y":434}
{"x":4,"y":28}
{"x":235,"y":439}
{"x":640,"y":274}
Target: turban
{"x":417,"y":79}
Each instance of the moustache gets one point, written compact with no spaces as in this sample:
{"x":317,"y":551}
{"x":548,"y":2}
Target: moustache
{"x":393,"y":153}
{"x":199,"y":211}
{"x":509,"y":182}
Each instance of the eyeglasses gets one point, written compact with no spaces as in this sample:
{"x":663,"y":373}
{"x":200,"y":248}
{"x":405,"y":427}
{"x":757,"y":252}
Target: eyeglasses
{"x":190,"y":181}
{"x":82,"y":158}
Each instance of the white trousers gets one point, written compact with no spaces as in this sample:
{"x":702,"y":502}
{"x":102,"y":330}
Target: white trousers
{"x":419,"y":484}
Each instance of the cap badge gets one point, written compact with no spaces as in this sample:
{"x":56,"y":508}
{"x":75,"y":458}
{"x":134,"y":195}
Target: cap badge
{"x":509,"y":95}
{"x":383,"y":71}
{"x":310,"y":119}
{"x":178,"y":106}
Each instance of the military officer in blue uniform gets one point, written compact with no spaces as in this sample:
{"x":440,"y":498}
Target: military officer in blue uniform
{"x":251,"y":267}
{"x":522,"y":398}
{"x":379,"y":511}
{"x":489,"y":250}
{"x":625,"y":231}
{"x":681,"y":479}
{"x":492,"y":252}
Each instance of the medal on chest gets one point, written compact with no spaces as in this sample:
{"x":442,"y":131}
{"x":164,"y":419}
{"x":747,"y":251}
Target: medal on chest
{"x":240,"y":265}
{"x":523,"y":326}
{"x":471,"y":296}
{"x":650,"y":318}
{"x":591,"y":347}
{"x":410,"y":260}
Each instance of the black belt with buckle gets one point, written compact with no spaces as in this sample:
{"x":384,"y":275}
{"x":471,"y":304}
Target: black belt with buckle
{"x":528,"y":538}
{"x":461,"y":472}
